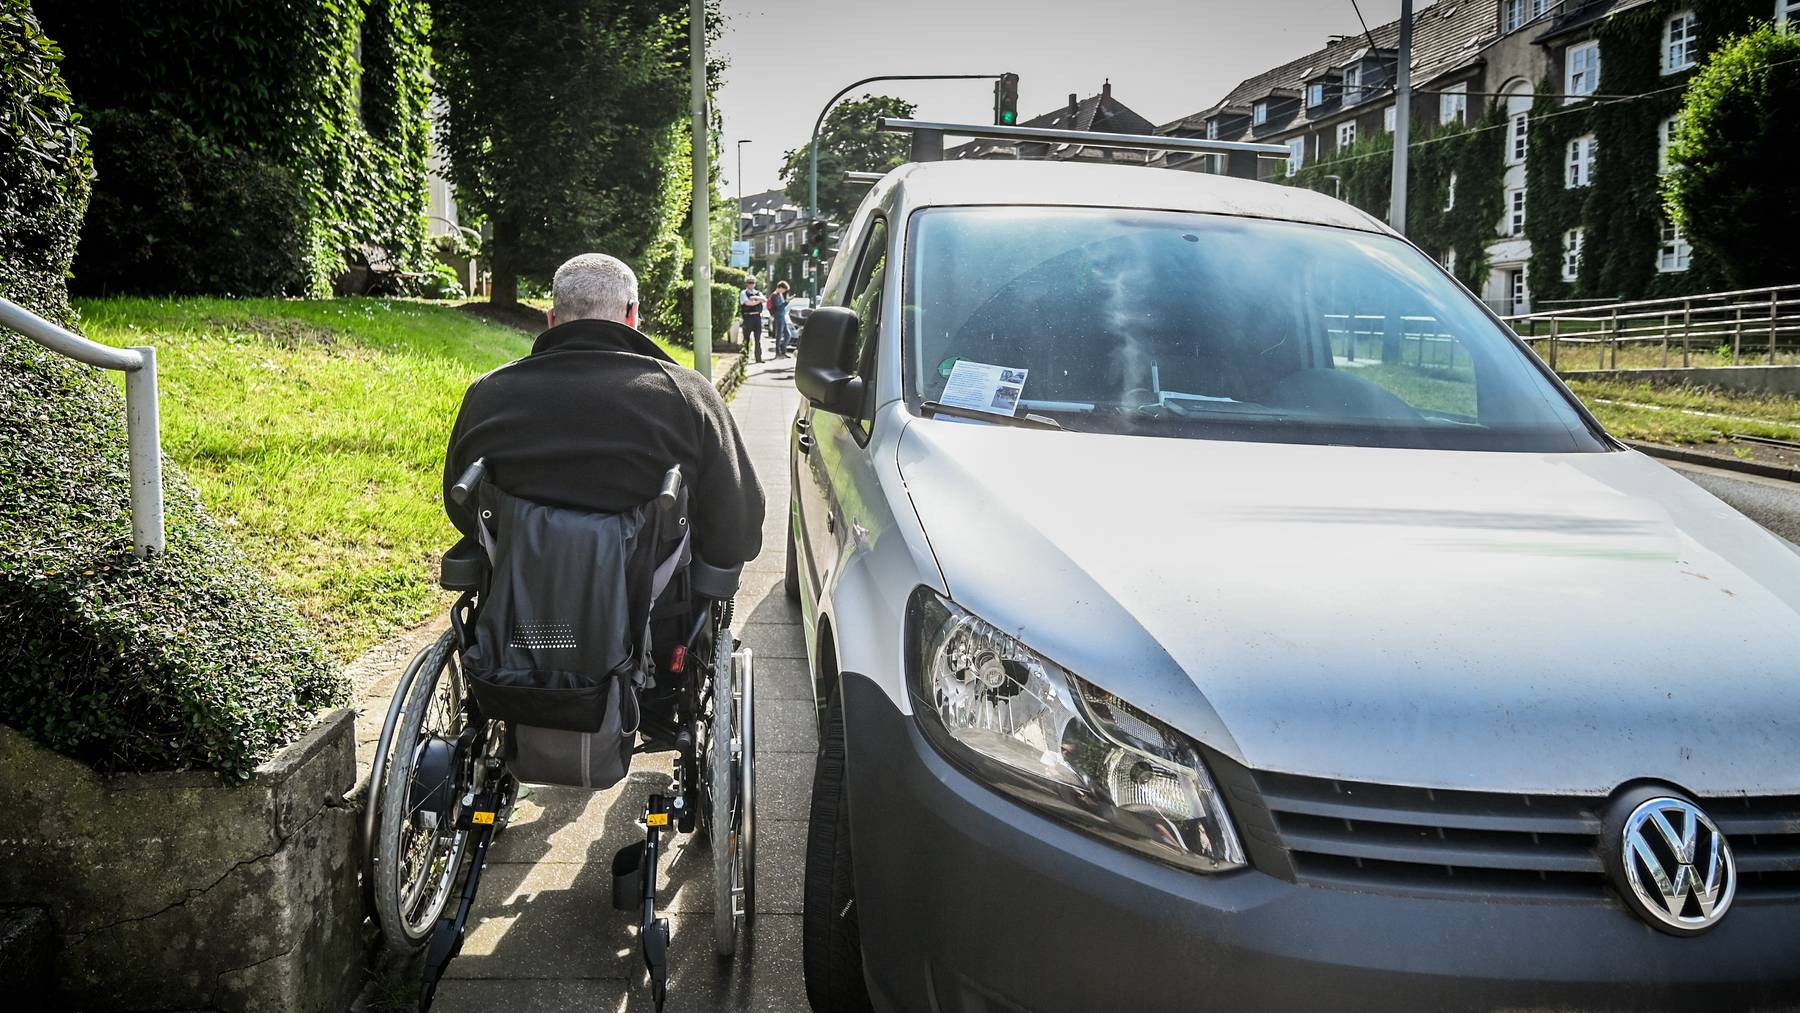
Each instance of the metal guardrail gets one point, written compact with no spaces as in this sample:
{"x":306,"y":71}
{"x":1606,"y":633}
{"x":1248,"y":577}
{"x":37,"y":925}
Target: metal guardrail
{"x":143,"y":426}
{"x":1756,"y":323}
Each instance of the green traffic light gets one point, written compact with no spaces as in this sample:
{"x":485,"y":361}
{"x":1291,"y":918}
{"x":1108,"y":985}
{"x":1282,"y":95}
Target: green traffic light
{"x":1007,"y":118}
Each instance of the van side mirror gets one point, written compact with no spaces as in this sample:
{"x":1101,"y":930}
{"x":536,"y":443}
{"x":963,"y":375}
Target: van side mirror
{"x":825,"y":371}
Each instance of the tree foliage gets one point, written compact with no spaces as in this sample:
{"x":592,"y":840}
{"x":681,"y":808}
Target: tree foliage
{"x":1732,"y":188}
{"x":332,"y":92}
{"x":562,"y":124}
{"x":848,"y":142}
{"x":45,"y":169}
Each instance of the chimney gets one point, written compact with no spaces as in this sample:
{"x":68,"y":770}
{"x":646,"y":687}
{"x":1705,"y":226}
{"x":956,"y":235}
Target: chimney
{"x":1106,"y":91}
{"x":1074,"y":109}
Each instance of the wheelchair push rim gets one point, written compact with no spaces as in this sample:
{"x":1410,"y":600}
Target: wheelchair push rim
{"x":730,"y":824}
{"x":417,"y":854}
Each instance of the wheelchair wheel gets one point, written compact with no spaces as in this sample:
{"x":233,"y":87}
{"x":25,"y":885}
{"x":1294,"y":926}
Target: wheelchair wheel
{"x":731,"y":785}
{"x":417,"y":847}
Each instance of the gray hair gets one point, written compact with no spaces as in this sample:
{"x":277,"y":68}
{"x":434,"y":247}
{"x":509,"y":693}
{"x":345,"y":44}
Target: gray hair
{"x":593,"y":286}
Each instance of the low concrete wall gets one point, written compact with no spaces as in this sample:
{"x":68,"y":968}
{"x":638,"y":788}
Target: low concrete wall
{"x":179,"y":891}
{"x":1783,"y":380}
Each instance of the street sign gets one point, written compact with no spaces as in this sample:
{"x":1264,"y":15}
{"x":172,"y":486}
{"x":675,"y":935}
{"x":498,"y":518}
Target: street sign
{"x":740,"y":253}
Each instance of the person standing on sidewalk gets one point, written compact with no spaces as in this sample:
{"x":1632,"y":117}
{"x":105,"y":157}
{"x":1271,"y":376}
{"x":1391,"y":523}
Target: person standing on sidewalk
{"x":750,"y":305}
{"x":778,"y":307}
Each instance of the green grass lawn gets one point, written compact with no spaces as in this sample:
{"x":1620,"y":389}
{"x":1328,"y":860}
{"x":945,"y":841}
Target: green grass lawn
{"x":316,"y":430}
{"x":1637,"y":411}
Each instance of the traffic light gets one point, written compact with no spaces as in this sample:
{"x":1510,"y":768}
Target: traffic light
{"x":1006,"y":100}
{"x":815,"y":239}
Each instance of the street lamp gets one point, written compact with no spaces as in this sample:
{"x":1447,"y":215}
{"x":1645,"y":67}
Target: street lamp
{"x":740,"y":183}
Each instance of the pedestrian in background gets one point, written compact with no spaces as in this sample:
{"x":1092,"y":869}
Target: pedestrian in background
{"x":778,"y":311}
{"x":750,"y":306}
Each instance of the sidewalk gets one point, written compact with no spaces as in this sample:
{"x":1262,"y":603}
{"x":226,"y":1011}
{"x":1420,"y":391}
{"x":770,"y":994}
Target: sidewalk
{"x":544,"y":936}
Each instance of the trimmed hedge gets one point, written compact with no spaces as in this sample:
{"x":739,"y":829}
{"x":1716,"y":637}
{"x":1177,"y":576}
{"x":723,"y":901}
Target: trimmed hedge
{"x":675,"y":321}
{"x":724,"y":274}
{"x":187,"y":660}
{"x":45,"y":170}
{"x":177,"y":214}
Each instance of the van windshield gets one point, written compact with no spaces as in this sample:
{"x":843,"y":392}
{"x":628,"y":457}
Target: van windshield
{"x":1163,"y":323}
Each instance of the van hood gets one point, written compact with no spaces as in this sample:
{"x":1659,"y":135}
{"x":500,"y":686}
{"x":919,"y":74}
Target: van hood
{"x":1545,"y":623}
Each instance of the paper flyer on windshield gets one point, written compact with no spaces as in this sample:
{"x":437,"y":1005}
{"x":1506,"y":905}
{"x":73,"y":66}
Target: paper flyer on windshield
{"x":984,"y":387}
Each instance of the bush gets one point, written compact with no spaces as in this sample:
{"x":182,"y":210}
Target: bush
{"x":675,"y":321}
{"x":188,"y":660}
{"x":724,"y":274}
{"x":173,"y":213}
{"x":659,"y":267}
{"x":1730,"y":188}
{"x":44,"y":168}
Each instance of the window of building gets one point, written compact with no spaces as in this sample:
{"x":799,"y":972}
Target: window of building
{"x":769,"y":247}
{"x":1453,"y":102}
{"x":1674,"y":254}
{"x":1260,"y":114}
{"x":1315,"y":94}
{"x":1681,"y":37}
{"x":1515,"y":212}
{"x":788,"y":243}
{"x":1450,"y":194}
{"x":1512,"y":15}
{"x":1389,"y":117}
{"x":1580,"y":162}
{"x":1665,"y":139}
{"x":1581,"y":71}
{"x":1573,"y":241}
{"x":1520,"y":136}
{"x":1346,"y":134}
{"x":1352,"y":85}
{"x":1212,"y":130}
{"x":1449,"y":261}
{"x":1296,"y":155}
{"x":1786,"y":10}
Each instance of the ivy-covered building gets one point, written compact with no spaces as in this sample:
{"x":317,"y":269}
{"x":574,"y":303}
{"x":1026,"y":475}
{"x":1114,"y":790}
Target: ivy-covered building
{"x":1540,"y":129}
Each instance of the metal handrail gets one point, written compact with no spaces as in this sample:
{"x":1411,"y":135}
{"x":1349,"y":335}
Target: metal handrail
{"x":1675,"y":300}
{"x":143,"y":426}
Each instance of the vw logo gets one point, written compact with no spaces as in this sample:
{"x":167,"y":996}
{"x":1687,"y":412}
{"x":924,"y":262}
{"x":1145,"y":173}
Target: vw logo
{"x":1677,"y":864}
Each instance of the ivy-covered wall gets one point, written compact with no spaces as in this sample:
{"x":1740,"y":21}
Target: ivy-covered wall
{"x":45,"y":168}
{"x":1473,"y":153}
{"x":1621,"y":211}
{"x":332,"y":91}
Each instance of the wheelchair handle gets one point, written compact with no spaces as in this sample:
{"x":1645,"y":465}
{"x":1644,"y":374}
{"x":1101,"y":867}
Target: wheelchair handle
{"x":470,"y":479}
{"x":671,"y":489}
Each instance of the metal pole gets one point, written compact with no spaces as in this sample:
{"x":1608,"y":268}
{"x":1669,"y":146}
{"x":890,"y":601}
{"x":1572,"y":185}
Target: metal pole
{"x":1553,"y":328}
{"x":702,"y":189}
{"x":1774,"y":308}
{"x":1402,"y":118}
{"x":1687,"y":328}
{"x":812,"y":172}
{"x":738,"y":233}
{"x":143,"y":434}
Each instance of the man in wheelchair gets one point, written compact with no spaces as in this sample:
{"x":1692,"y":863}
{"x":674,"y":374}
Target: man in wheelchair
{"x":606,"y":505}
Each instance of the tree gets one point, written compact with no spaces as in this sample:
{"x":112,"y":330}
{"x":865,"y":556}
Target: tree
{"x":1731,"y":189}
{"x":560,"y":124}
{"x":848,"y":143}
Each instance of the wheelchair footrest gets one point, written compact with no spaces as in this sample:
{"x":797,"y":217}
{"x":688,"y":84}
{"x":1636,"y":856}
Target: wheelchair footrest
{"x":628,"y":877}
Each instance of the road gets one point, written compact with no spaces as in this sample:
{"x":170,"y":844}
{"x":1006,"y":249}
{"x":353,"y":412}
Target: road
{"x":1770,"y":502}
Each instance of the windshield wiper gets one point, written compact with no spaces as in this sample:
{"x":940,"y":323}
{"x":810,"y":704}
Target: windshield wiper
{"x":1026,"y":421}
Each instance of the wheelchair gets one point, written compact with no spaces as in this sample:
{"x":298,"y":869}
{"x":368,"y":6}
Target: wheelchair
{"x":443,"y":783}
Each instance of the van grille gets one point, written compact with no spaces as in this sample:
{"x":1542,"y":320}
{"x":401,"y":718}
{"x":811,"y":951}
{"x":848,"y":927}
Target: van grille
{"x":1383,"y":837}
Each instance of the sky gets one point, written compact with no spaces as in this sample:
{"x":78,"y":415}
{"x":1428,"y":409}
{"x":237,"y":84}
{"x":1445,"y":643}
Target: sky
{"x":1166,"y":58}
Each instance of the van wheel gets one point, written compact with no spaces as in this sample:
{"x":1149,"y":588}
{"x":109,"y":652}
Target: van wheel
{"x":831,"y":943}
{"x":791,"y":582}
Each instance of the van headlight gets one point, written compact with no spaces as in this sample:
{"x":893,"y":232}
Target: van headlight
{"x":1034,"y":731}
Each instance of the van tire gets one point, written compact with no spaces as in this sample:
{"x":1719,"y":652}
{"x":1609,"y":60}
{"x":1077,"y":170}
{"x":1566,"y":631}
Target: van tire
{"x":831,"y":943}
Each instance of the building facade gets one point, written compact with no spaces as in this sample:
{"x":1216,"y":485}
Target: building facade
{"x":775,"y":228}
{"x":1539,"y":134}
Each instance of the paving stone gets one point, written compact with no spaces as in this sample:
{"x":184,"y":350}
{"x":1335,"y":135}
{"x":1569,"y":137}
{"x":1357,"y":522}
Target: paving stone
{"x":784,"y":785}
{"x":773,"y":640}
{"x":786,"y":726}
{"x":782,"y":679}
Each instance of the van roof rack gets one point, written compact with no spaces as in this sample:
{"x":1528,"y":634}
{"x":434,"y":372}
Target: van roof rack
{"x":928,"y":141}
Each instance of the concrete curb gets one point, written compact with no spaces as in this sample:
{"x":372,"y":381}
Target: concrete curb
{"x":1668,"y":453}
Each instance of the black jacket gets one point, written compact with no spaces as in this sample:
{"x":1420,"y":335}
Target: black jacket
{"x":592,"y":419}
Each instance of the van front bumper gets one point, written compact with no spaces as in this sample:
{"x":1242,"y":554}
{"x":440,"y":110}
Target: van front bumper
{"x":968,"y":903}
